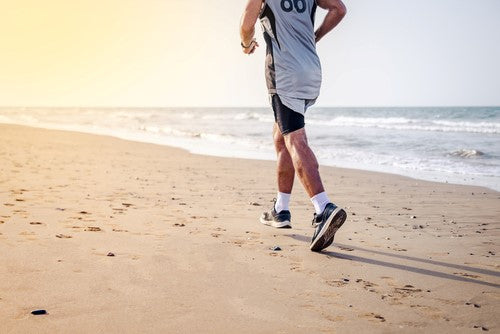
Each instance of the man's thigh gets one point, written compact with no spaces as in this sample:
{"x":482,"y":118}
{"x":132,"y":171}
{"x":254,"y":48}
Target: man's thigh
{"x":288,"y":120}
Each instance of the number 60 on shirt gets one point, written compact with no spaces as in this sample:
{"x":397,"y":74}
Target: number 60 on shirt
{"x":289,"y":5}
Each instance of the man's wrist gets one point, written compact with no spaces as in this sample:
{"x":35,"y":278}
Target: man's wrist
{"x":247,"y":46}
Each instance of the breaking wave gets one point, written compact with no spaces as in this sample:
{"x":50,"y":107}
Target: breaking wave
{"x":467,"y":153}
{"x":399,"y":123}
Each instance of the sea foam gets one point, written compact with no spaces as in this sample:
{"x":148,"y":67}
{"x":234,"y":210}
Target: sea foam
{"x":460,"y":145}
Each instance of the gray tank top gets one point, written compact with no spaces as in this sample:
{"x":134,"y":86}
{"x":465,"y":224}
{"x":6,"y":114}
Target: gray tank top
{"x":293,"y":68}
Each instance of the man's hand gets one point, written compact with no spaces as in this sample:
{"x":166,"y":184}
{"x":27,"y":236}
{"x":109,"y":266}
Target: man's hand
{"x":249,"y":49}
{"x":336,"y":12}
{"x":247,"y":26}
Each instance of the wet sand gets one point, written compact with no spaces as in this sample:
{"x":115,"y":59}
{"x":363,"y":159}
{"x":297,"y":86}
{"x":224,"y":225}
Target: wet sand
{"x":113,"y":236}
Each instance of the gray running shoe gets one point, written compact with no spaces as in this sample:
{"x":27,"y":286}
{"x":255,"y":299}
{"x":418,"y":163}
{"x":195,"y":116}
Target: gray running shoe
{"x":275,"y":219}
{"x":327,"y":223}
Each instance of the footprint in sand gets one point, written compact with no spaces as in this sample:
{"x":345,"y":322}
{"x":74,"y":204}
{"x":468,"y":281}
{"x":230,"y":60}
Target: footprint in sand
{"x":296,"y":266}
{"x":369,"y":286}
{"x":467,"y":275}
{"x":93,"y":229}
{"x":238,"y":243}
{"x":296,"y":263}
{"x":372,"y":316}
{"x":338,"y":282}
{"x":407,"y":290}
{"x":483,"y":328}
{"x":18,"y":192}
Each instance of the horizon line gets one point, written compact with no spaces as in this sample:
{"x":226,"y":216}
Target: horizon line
{"x":247,"y":107}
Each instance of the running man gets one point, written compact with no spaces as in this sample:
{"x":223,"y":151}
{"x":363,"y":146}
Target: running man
{"x":293,"y":75}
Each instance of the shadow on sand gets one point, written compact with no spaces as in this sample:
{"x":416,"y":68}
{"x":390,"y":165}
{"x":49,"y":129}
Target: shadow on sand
{"x":405,"y":267}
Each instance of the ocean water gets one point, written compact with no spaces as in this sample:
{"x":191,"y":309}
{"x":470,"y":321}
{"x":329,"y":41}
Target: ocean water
{"x":455,"y":145}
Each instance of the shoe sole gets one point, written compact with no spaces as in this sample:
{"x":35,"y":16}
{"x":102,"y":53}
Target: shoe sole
{"x":283,"y":224}
{"x":326,"y":235}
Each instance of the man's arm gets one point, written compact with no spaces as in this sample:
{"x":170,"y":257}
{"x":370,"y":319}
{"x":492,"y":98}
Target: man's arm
{"x":336,"y":12}
{"x":247,"y":25}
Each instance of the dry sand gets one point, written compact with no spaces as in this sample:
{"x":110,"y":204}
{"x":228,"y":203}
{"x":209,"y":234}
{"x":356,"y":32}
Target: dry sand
{"x":191,"y":256}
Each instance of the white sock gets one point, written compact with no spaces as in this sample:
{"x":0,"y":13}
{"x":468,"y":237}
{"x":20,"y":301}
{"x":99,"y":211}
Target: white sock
{"x":320,"y":201}
{"x":282,"y":202}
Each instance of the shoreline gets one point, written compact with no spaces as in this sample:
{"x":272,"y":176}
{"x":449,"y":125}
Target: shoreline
{"x":273,"y":159}
{"x":188,"y":252}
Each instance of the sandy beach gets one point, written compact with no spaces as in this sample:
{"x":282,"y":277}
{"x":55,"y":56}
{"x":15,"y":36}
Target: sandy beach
{"x":113,"y":236}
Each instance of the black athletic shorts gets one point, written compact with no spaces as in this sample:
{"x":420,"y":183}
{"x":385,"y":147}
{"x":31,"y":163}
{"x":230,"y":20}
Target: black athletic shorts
{"x":287,"y":119}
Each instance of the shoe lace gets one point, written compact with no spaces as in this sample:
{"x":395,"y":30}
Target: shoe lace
{"x":313,"y":223}
{"x":274,"y":203}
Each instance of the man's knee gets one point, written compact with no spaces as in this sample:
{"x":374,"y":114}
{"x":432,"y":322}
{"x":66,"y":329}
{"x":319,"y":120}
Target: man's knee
{"x":297,"y":144}
{"x":297,"y":140}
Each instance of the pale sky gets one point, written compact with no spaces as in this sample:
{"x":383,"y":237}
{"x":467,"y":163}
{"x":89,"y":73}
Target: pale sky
{"x":164,"y":53}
